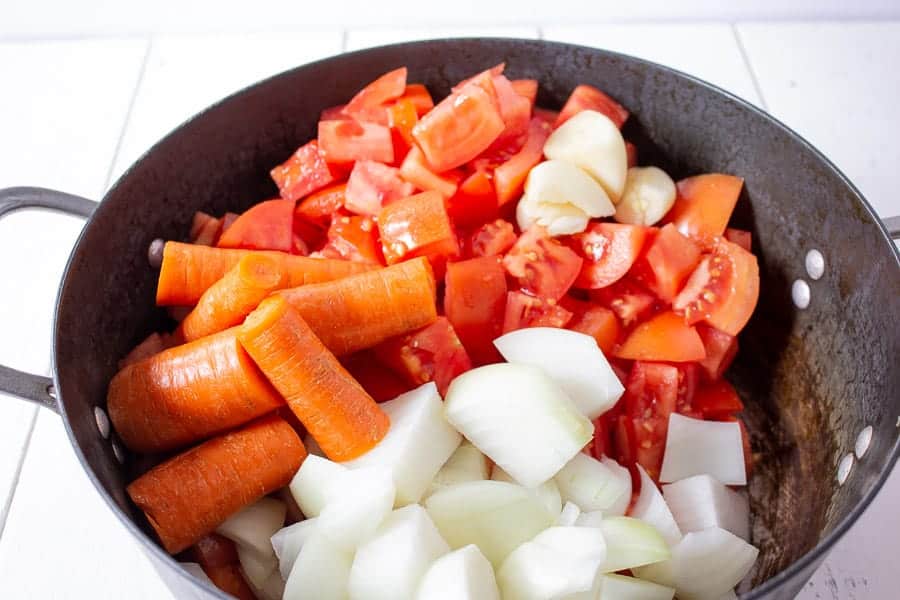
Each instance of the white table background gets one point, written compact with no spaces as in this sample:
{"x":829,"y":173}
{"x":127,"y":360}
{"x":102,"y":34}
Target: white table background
{"x":88,"y":86}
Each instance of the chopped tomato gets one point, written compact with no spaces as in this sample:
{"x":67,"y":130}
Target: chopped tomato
{"x":509,"y":177}
{"x":317,"y":208}
{"x":547,"y":116}
{"x":304,"y":172}
{"x":381,"y":382}
{"x":346,"y":141}
{"x":228,"y":220}
{"x":493,"y":239}
{"x":416,"y":226}
{"x":527,"y":88}
{"x":596,"y":321}
{"x":721,"y":349}
{"x":368,"y":103}
{"x":204,"y":229}
{"x":474,"y":202}
{"x":354,"y":239}
{"x":624,"y":442}
{"x":514,"y":109}
{"x":298,"y":244}
{"x":651,"y":394}
{"x":488,"y":74}
{"x":688,"y":381}
{"x":460,"y":128}
{"x":630,"y":301}
{"x":609,"y":250}
{"x":717,"y":399}
{"x":722,"y":290}
{"x":586,"y":97}
{"x":663,"y":337}
{"x":268,"y":225}
{"x":334,"y":113}
{"x":742,"y":238}
{"x":433,"y":353}
{"x":667,"y":262}
{"x":631,"y":154}
{"x":704,"y":204}
{"x":474,"y":301}
{"x":402,"y":117}
{"x":601,"y":444}
{"x":543,"y":266}
{"x":373,"y":185}
{"x":419,"y":96}
{"x":417,"y":171}
{"x":524,"y":311}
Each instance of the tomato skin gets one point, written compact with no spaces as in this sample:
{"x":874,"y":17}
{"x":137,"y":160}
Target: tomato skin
{"x":668,"y":261}
{"x":630,"y":301}
{"x":373,"y":185}
{"x":721,"y":349}
{"x":651,"y":395}
{"x":631,"y":154}
{"x":419,"y":96}
{"x":416,"y":226}
{"x":717,"y":400}
{"x":402,"y":117}
{"x":353,"y":238}
{"x":380,"y":382}
{"x":417,"y":171}
{"x":704,"y":204}
{"x":664,"y":337}
{"x":586,"y":97}
{"x":524,"y":311}
{"x":304,"y":172}
{"x":367,"y":104}
{"x":609,"y":250}
{"x":509,"y":177}
{"x":474,"y":302}
{"x":318,"y":207}
{"x":596,"y":321}
{"x":347,"y":141}
{"x":543,"y":266}
{"x":742,"y":238}
{"x":492,"y":239}
{"x":334,"y":113}
{"x":474,"y":203}
{"x":268,"y":225}
{"x":527,"y":88}
{"x":515,"y":110}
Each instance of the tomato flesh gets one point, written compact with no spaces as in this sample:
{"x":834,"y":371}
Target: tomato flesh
{"x":609,"y":250}
{"x":631,"y":154}
{"x":524,"y":311}
{"x":704,"y":205}
{"x":373,"y":185}
{"x":515,"y":110}
{"x":474,"y":202}
{"x":347,"y":141}
{"x":415,"y":170}
{"x":527,"y":88}
{"x":419,"y":96}
{"x":629,"y":300}
{"x":474,"y":301}
{"x":318,"y":208}
{"x":717,"y":400}
{"x":543,"y":266}
{"x":353,"y":238}
{"x":304,"y":172}
{"x":268,"y":225}
{"x":664,"y":337}
{"x":598,"y":322}
{"x":668,"y":261}
{"x":721,"y":349}
{"x":368,"y":103}
{"x":492,"y":239}
{"x":509,"y":177}
{"x":586,"y":97}
{"x":382,"y":383}
{"x":742,"y":238}
{"x":416,"y":226}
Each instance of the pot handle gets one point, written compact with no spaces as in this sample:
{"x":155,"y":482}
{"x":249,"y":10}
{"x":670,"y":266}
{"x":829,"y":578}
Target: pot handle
{"x":892,"y":224}
{"x":37,"y":388}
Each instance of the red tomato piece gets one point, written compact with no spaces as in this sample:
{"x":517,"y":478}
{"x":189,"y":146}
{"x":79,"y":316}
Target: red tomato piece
{"x":524,"y":311}
{"x":527,"y":88}
{"x":306,"y":235}
{"x":416,"y":226}
{"x":722,"y":290}
{"x":509,"y":177}
{"x":704,"y":205}
{"x":493,"y":239}
{"x":402,"y":117}
{"x":433,"y":353}
{"x":609,"y":250}
{"x":663,"y":337}
{"x":630,"y":301}
{"x":717,"y":400}
{"x":204,"y":229}
{"x":474,"y":202}
{"x":373,"y":185}
{"x":631,"y":154}
{"x":543,"y":266}
{"x":688,"y":381}
{"x":547,"y":116}
{"x":268,"y":225}
{"x":304,"y":172}
{"x":721,"y":349}
{"x":596,"y":321}
{"x":601,"y":444}
{"x":368,"y":103}
{"x":381,"y":382}
{"x":318,"y":208}
{"x":742,"y":238}
{"x":480,"y":77}
{"x":460,"y":127}
{"x":334,"y":113}
{"x":586,"y":97}
{"x":354,"y":239}
{"x":415,"y":170}
{"x":474,"y":301}
{"x":419,"y":96}
{"x":625,"y":442}
{"x":667,"y":262}
{"x":651,"y":395}
{"x":347,"y":141}
{"x":514,"y":109}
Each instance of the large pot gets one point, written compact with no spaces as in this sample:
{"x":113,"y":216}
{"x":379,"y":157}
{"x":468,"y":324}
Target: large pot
{"x":811,"y":378}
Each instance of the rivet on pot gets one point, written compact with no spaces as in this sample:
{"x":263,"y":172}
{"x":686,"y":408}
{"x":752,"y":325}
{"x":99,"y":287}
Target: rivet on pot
{"x":862,"y":441}
{"x":844,"y":467}
{"x":51,"y":391}
{"x":815,"y":264}
{"x":102,"y":422}
{"x":155,"y":252}
{"x":117,"y":450}
{"x":800,"y":293}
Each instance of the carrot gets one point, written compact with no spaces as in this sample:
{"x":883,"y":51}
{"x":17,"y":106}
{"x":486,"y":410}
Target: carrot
{"x":334,"y":408}
{"x":189,"y":270}
{"x":233,"y":297}
{"x":363,"y":310}
{"x":217,"y":556}
{"x":187,"y":393}
{"x":188,"y":496}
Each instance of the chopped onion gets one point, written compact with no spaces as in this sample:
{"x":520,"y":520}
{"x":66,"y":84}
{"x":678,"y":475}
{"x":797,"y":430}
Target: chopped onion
{"x":464,"y":574}
{"x":571,"y":359}
{"x":390,"y":565}
{"x":631,"y":543}
{"x":287,"y":543}
{"x":729,"y":595}
{"x":620,"y":587}
{"x":591,"y":518}
{"x":312,"y":483}
{"x":705,"y":564}
{"x":196,"y":571}
{"x":494,"y":515}
{"x":621,"y":505}
{"x":258,"y":569}
{"x":652,"y":508}
{"x":467,"y":463}
{"x":358,"y":503}
{"x":593,"y":485}
{"x":702,"y":501}
{"x":519,"y":418}
{"x":569,"y":515}
{"x":321,"y":571}
{"x":254,"y":526}
{"x":547,"y":492}
{"x":418,"y":442}
{"x":696,"y":447}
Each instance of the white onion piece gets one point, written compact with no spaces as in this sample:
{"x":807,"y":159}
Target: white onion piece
{"x":418,"y":442}
{"x":547,"y":492}
{"x":467,"y":463}
{"x":288,"y":542}
{"x":494,"y":515}
{"x":464,"y":574}
{"x":620,"y":587}
{"x":624,"y":476}
{"x":649,"y":194}
{"x":702,"y":501}
{"x":592,"y":485}
{"x":272,"y":588}
{"x":705,"y":564}
{"x":257,"y":570}
{"x":562,"y":198}
{"x":358,"y":502}
{"x":196,"y":571}
{"x":729,"y":595}
{"x":697,"y":447}
{"x":652,"y":508}
{"x":321,"y":571}
{"x":592,"y":141}
{"x":519,"y":418}
{"x":569,"y":515}
{"x":254,"y":525}
{"x":631,"y":543}
{"x":312,"y":483}
{"x":591,"y":518}
{"x":571,"y":359}
{"x":390,"y":565}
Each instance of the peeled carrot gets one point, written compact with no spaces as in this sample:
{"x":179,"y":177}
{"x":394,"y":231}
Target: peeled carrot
{"x":363,"y":310}
{"x":188,"y":270}
{"x":218,"y":558}
{"x":188,"y":393}
{"x":340,"y":415}
{"x":190,"y":495}
{"x":233,"y":297}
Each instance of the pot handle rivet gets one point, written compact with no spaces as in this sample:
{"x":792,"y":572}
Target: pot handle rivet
{"x":102,"y":422}
{"x":844,"y":468}
{"x":815,"y":264}
{"x":800,"y":294}
{"x":863,"y":441}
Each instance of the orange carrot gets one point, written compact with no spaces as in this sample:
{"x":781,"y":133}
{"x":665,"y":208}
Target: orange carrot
{"x":218,"y":558}
{"x":187,"y":393}
{"x":233,"y":297}
{"x":363,"y":310}
{"x":188,"y":496}
{"x":189,"y":270}
{"x":334,"y":408}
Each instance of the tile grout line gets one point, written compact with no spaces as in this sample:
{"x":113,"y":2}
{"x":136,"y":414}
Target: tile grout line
{"x":4,"y":513}
{"x":344,"y":36}
{"x":746,"y":58}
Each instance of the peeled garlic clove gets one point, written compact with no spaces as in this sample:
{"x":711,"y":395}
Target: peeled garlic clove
{"x":562,"y":198}
{"x":649,"y":194}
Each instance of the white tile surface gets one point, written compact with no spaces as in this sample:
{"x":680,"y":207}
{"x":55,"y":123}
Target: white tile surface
{"x":366,"y":38}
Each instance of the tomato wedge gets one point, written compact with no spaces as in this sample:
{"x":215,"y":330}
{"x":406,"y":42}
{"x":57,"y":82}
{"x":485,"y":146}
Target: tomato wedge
{"x":474,"y":301}
{"x":543,"y":266}
{"x":524,"y":311}
{"x":704,"y":205}
{"x":629,"y":300}
{"x":609,"y":250}
{"x":718,"y":400}
{"x":722,"y":290}
{"x":721,"y":349}
{"x":596,"y":321}
{"x":509,"y":177}
{"x":651,"y":395}
{"x":204,"y":229}
{"x":373,"y":185}
{"x":586,"y":97}
{"x":304,"y":172}
{"x":419,"y":96}
{"x":474,"y":202}
{"x":514,"y":109}
{"x":492,"y":239}
{"x":415,"y":170}
{"x":318,"y":208}
{"x":416,"y":226}
{"x":527,"y":88}
{"x":354,"y":239}
{"x":334,"y":113}
{"x":742,"y":238}
{"x":368,"y":103}
{"x":381,"y":382}
{"x":402,"y":117}
{"x":347,"y":141}
{"x":268,"y":225}
{"x":664,"y":337}
{"x":667,"y":262}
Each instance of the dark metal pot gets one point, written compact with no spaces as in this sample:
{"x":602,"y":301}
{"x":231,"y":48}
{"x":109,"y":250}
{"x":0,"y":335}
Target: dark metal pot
{"x":811,"y":379}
